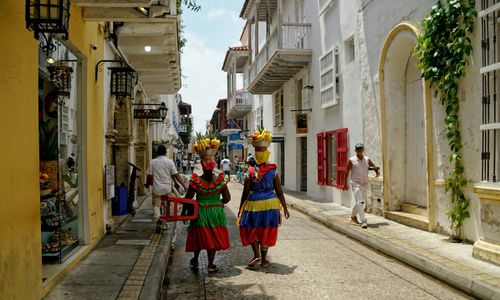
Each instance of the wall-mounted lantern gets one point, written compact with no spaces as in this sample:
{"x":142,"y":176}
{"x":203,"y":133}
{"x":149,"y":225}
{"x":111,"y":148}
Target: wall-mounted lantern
{"x":48,"y":18}
{"x":123,"y":80}
{"x":60,"y":76}
{"x":163,"y":111}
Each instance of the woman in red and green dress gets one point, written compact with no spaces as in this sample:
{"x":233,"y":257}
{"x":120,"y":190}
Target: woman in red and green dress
{"x":208,"y":232}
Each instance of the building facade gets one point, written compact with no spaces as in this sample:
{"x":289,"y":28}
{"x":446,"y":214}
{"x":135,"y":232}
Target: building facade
{"x":342,"y":72}
{"x":74,"y":123}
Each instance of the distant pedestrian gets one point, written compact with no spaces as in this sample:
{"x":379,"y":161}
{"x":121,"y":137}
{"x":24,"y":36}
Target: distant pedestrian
{"x":236,"y":161}
{"x":184,"y":165}
{"x":225,"y":166}
{"x":163,"y":171}
{"x":359,"y":165}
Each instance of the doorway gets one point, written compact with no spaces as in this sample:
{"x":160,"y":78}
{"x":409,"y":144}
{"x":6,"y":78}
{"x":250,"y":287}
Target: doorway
{"x":303,"y":164}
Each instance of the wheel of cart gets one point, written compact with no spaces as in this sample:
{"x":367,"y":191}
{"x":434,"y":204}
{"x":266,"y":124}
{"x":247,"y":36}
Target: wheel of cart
{"x":175,"y":209}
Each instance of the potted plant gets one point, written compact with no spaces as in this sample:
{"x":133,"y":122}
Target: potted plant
{"x":49,"y":151}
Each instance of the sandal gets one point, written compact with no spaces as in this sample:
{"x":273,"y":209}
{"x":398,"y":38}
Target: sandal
{"x":265,"y":264}
{"x":253,"y":262}
{"x":193,"y":263}
{"x":212,"y":269}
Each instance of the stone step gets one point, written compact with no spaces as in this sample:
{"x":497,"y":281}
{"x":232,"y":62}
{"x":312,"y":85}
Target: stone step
{"x":412,"y":220}
{"x":413,"y":209}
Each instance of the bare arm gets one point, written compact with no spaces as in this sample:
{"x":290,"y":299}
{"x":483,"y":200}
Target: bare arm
{"x":179,"y":179}
{"x":245,"y":193}
{"x":349,"y":167}
{"x":190,"y":193}
{"x":281,"y":196}
{"x":372,"y":166}
{"x":226,"y":196}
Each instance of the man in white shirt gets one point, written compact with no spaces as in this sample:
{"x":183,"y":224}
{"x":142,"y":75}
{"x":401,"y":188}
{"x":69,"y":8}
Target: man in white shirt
{"x":225,"y":165}
{"x":359,"y":165}
{"x":164,"y":172}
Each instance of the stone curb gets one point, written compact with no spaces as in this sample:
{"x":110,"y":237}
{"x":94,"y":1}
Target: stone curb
{"x":439,"y":267}
{"x":154,"y":279}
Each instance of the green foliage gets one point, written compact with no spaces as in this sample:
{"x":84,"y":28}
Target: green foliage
{"x":48,"y":143}
{"x":191,"y":5}
{"x":443,"y":50}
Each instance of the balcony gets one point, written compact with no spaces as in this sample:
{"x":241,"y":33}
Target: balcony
{"x":284,"y":54}
{"x":139,"y":23}
{"x":239,"y":105}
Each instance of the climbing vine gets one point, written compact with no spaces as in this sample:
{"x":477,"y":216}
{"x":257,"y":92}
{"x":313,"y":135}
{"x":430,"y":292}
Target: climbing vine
{"x":443,"y":50}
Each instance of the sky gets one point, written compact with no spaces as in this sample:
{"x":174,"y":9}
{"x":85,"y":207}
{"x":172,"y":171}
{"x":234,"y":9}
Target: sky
{"x":209,"y":33}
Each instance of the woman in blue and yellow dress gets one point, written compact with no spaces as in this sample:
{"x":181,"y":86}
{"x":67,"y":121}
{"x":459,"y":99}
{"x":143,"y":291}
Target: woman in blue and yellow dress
{"x":261,"y":202}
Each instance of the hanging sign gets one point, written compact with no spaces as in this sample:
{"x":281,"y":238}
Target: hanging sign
{"x":301,"y":122}
{"x":146,"y":113}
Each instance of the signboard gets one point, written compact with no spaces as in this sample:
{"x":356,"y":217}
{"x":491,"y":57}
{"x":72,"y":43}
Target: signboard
{"x":110,"y":181}
{"x":301,"y":123}
{"x":146,"y":113}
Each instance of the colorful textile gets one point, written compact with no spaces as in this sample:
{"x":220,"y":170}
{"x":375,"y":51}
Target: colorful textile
{"x":260,"y":215}
{"x":208,"y":231}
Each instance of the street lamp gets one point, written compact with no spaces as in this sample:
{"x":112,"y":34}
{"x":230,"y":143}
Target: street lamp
{"x":60,"y":76}
{"x":122,"y":81}
{"x":163,"y":111}
{"x":48,"y":18}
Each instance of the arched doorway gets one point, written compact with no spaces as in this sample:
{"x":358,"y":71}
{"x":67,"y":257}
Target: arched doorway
{"x":406,"y":126}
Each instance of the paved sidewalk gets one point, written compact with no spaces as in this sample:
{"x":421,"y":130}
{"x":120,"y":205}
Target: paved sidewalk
{"x":429,"y":252}
{"x":128,"y":264}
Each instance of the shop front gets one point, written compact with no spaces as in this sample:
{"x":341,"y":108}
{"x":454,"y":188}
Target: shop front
{"x":52,"y":126}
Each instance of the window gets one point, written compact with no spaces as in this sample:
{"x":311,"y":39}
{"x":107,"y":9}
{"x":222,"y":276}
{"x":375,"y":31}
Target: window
{"x":490,"y":123}
{"x":278,"y":109}
{"x":258,"y":118}
{"x":350,"y":54}
{"x":337,"y":75}
{"x":327,"y":77}
{"x":332,"y":157}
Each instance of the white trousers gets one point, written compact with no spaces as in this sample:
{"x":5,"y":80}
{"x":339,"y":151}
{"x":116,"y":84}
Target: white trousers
{"x":360,"y":200}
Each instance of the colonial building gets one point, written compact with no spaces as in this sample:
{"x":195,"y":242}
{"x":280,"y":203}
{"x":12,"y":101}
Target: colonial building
{"x":343,"y":72}
{"x":75,"y":71}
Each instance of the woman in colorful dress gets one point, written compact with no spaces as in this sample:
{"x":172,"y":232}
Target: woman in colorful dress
{"x":208,"y":232}
{"x":261,"y":203}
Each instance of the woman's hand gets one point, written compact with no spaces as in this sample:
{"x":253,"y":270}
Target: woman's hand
{"x":286,"y":213}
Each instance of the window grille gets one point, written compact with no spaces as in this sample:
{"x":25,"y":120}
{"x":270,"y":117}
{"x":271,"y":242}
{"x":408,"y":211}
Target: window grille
{"x":490,"y":65}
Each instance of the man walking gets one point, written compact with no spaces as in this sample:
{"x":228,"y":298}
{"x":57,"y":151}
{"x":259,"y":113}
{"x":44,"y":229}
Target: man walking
{"x":225,"y":165}
{"x":164,"y":172}
{"x":360,"y":165}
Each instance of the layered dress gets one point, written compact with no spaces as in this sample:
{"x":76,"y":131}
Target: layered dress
{"x":208,"y":231}
{"x":260,"y":215}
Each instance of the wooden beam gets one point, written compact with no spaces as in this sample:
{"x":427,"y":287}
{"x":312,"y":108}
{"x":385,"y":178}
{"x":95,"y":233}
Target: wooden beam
{"x":119,"y":14}
{"x":112,"y":3}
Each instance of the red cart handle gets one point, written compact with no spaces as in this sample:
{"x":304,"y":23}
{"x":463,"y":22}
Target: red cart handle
{"x":172,"y":212}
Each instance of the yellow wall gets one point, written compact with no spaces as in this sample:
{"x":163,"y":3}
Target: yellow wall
{"x":82,"y":35}
{"x":20,"y":249}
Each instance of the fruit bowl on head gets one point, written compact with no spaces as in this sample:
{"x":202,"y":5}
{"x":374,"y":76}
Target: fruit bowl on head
{"x":261,"y":143}
{"x":207,"y":152}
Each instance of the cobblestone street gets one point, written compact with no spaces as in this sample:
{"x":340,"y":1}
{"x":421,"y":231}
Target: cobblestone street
{"x":309,"y":261}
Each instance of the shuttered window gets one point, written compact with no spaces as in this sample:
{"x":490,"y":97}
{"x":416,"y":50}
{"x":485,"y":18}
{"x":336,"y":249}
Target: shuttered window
{"x":332,"y":157}
{"x":320,"y":137}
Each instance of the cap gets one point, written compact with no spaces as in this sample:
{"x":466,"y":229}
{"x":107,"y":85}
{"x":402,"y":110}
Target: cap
{"x":359,"y":146}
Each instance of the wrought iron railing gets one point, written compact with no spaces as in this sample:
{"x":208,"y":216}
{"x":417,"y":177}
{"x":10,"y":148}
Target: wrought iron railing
{"x":490,"y":78}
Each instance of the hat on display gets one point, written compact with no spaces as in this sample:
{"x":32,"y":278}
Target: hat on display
{"x":359,"y":146}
